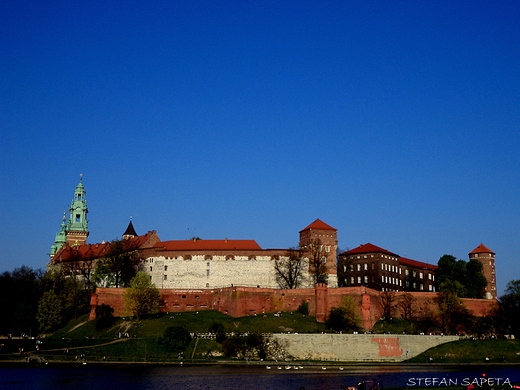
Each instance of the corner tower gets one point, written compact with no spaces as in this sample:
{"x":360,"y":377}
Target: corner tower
{"x":487,"y":258}
{"x":77,"y":227}
{"x":321,"y":239}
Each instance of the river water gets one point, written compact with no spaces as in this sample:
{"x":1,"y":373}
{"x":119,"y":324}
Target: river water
{"x":244,"y":377}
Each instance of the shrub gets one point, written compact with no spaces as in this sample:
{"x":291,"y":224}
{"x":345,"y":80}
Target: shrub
{"x":175,"y":339}
{"x":303,"y":308}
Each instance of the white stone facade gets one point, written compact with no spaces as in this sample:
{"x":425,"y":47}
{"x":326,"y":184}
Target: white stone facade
{"x":217,"y":271}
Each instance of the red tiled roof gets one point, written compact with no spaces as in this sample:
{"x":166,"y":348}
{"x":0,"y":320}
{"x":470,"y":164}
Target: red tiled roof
{"x":192,"y":245}
{"x":368,"y":248}
{"x":481,"y":249}
{"x":417,"y":264}
{"x":318,"y":224}
{"x":95,"y":251}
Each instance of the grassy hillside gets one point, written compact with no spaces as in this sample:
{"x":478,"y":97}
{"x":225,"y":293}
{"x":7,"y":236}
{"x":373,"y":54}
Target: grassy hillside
{"x":473,"y":351}
{"x":81,"y":337}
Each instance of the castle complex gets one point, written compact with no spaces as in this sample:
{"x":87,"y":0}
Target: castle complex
{"x":207,"y":265}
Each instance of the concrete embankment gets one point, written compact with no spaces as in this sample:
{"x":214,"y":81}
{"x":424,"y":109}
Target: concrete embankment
{"x":359,"y":347}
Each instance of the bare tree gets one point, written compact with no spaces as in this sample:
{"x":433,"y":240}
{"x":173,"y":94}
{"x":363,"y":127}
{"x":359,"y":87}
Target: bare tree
{"x":387,"y":302}
{"x":407,"y":305}
{"x":318,"y":257}
{"x":289,"y":269}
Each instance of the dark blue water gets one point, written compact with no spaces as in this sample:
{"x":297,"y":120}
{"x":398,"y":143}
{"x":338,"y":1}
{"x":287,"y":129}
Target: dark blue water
{"x":221,"y":377}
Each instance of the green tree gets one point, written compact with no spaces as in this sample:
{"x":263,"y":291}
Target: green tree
{"x":50,"y":311}
{"x":20,"y":292}
{"x":104,"y":316}
{"x":175,"y":339}
{"x":142,"y":298}
{"x":345,"y":317}
{"x":468,"y":275}
{"x":303,"y":308}
{"x":475,"y":281}
{"x":510,"y":302}
{"x":217,"y":328}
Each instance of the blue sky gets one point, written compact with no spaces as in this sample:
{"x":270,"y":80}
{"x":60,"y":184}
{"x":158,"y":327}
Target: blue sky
{"x":395,"y":122}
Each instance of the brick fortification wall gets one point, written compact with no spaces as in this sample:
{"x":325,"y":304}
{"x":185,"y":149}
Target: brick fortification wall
{"x":241,"y":301}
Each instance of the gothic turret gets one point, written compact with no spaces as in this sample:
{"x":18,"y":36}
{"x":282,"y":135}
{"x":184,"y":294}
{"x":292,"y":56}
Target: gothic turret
{"x":77,"y":227}
{"x":61,"y":237}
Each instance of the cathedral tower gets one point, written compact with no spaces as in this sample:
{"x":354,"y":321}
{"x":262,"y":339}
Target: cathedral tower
{"x":487,"y":258}
{"x":77,"y":227}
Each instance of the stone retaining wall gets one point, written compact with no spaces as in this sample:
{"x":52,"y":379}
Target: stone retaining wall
{"x":359,"y":347}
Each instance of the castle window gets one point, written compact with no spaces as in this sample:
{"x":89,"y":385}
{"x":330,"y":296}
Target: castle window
{"x":208,"y":264}
{"x":420,"y":275}
{"x":429,"y":276}
{"x":359,"y":279}
{"x":359,"y":267}
{"x":166,"y":268}
{"x":79,"y":197}
{"x":365,"y":266}
{"x":366,"y":279}
{"x":165,"y":277}
{"x":150,"y":268}
{"x":352,"y":267}
{"x":78,"y":218}
{"x":207,"y":284}
{"x":207,"y":272}
{"x":344,"y":268}
{"x":327,"y":248}
{"x":351,"y":280}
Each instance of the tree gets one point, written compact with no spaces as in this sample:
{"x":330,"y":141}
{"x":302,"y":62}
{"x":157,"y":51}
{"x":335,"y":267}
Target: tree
{"x":454,"y":315}
{"x":406,"y":304}
{"x":511,"y":306}
{"x":288,"y":269}
{"x":475,"y":281}
{"x":468,"y":275}
{"x":317,"y":260}
{"x":175,"y":339}
{"x":50,"y":311}
{"x":104,"y":316}
{"x":303,"y":308}
{"x":387,"y":303}
{"x":20,"y":292}
{"x":345,"y":317}
{"x":120,"y":264}
{"x":217,"y":328}
{"x":142,"y":298}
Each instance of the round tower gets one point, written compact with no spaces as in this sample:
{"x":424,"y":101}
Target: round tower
{"x":487,"y":258}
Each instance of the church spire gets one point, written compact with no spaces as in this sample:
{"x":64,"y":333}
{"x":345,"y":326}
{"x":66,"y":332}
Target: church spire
{"x":77,"y":227}
{"x":130,"y":231}
{"x":61,"y":237}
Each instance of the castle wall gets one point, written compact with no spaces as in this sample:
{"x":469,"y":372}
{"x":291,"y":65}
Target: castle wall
{"x":211,"y":269}
{"x":241,"y":301}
